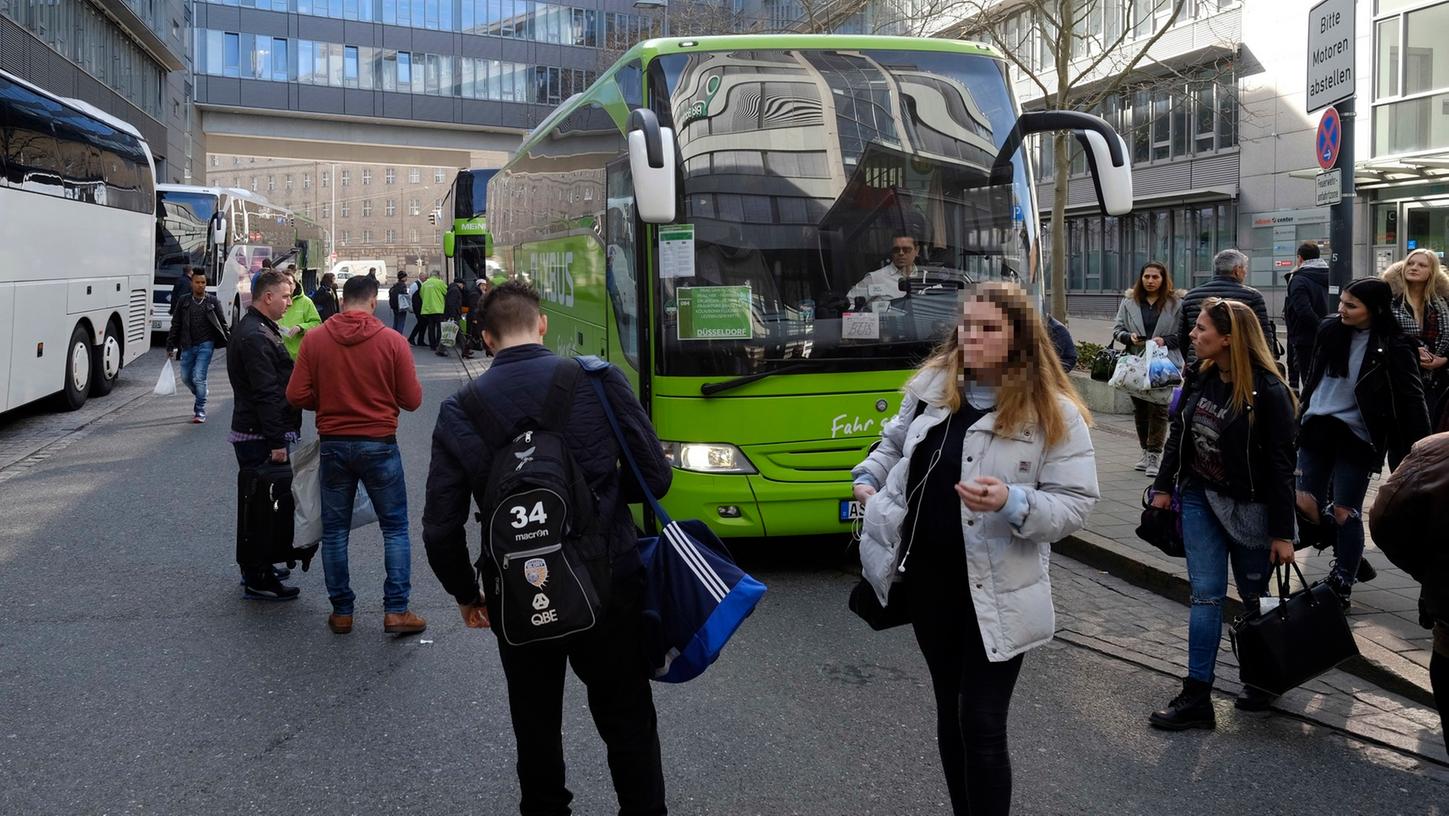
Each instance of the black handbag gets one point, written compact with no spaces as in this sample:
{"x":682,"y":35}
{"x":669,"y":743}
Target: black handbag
{"x":1304,"y":636}
{"x":866,"y":606}
{"x":1104,"y":362}
{"x":1162,"y":528}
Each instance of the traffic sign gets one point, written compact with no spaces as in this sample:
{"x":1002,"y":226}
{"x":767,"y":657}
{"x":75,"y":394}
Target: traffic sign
{"x":1330,"y":137}
{"x":1328,"y":188}
{"x":1330,"y":53}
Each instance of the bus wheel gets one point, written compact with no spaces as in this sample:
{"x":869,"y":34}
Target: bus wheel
{"x":78,"y":369}
{"x":106,"y":366}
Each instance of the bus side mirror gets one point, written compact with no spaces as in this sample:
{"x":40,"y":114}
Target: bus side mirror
{"x":1106,"y":153}
{"x":449,"y":243}
{"x":218,"y":231}
{"x":652,"y":162}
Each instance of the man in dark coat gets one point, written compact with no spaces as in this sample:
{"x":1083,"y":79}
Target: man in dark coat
{"x":473,"y":302}
{"x":263,"y":424}
{"x":394,"y":302}
{"x":1230,"y":268}
{"x":1062,"y":340}
{"x":1306,"y":305}
{"x":606,"y":657}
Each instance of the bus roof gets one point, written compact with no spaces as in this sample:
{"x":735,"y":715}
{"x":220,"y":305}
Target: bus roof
{"x":648,"y":50}
{"x":234,"y":192}
{"x":84,"y":107}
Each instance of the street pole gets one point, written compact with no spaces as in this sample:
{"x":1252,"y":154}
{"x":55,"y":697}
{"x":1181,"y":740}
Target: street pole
{"x":332,"y":185}
{"x":1340,"y":215}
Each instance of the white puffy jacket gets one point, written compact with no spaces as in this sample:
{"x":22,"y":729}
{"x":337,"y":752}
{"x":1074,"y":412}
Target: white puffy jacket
{"x":1007,"y":565}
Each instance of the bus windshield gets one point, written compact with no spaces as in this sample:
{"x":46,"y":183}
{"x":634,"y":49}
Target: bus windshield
{"x":472,"y":192}
{"x":835,"y":206}
{"x":182,"y":222}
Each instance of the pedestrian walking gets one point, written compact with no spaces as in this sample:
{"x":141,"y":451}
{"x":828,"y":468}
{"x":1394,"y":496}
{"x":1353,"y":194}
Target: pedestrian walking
{"x":988,"y":462}
{"x":197,"y":331}
{"x":1150,"y":313}
{"x":400,"y":301}
{"x":1230,"y":269}
{"x":357,"y":376}
{"x":417,"y":336}
{"x":263,"y":425}
{"x":1304,"y":308}
{"x":1361,"y":399}
{"x":452,"y":310}
{"x":515,"y":391}
{"x":300,"y":317}
{"x":1229,"y":457}
{"x":1410,"y":523}
{"x":1421,"y":303}
{"x":472,"y":307}
{"x":325,"y":297}
{"x":434,"y":296}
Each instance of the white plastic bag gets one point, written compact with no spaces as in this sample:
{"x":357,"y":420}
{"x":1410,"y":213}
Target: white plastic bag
{"x":307,"y":496}
{"x":1131,"y":373}
{"x":166,"y":383}
{"x":1134,"y":374}
{"x":450,"y":333}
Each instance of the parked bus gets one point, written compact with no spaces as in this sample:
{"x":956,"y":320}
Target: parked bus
{"x":77,"y":210}
{"x":465,"y":213}
{"x":714,"y":215}
{"x":227,"y":233}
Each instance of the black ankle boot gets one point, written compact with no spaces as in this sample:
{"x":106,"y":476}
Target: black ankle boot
{"x":1193,"y":708}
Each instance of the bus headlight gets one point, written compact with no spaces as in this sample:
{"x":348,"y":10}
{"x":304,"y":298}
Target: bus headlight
{"x":703,"y":457}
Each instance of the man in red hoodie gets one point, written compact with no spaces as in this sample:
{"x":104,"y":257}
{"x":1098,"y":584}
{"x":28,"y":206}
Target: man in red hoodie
{"x":357,"y":375}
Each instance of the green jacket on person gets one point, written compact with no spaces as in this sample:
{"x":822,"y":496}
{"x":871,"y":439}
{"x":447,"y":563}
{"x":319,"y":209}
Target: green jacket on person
{"x":434,"y":292}
{"x":303,"y":314}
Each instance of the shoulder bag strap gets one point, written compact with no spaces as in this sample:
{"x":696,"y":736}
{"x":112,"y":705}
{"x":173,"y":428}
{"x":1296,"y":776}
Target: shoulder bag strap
{"x":596,"y":380}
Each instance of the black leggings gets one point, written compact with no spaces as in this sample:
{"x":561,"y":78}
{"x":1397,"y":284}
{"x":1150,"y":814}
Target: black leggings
{"x":972,"y":698}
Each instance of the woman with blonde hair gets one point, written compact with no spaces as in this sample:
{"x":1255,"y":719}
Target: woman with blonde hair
{"x":1230,"y":459}
{"x":1150,"y":312}
{"x":988,"y":462}
{"x":1421,"y":304}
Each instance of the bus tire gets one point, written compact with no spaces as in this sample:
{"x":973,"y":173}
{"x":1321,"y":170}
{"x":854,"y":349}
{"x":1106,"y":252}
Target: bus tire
{"x":106,"y":363}
{"x":78,"y":368}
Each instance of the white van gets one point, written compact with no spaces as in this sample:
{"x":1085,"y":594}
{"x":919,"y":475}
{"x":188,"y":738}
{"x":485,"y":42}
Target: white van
{"x":346,"y":269}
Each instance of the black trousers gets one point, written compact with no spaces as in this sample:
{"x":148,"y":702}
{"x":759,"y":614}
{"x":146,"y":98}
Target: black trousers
{"x":609,"y":660}
{"x":416,"y":336}
{"x":973,"y":694}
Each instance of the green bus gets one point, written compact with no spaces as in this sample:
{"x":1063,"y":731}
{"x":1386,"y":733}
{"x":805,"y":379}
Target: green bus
{"x":714,"y":216}
{"x":466,"y":244}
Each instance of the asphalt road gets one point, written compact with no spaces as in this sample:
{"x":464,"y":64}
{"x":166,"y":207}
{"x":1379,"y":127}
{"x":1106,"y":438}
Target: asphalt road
{"x":134,"y":679}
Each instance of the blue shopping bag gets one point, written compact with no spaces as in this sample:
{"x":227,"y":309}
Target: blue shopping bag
{"x":695,"y":596}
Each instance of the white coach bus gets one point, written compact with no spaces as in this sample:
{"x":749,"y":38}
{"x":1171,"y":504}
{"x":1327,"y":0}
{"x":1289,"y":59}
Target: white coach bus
{"x":77,"y":224}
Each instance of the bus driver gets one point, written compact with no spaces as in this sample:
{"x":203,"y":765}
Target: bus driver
{"x":883,"y":285}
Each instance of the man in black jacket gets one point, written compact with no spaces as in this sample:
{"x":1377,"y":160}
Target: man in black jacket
{"x":263,"y":423}
{"x":197,"y":331}
{"x":395,"y":297}
{"x":1230,"y":268}
{"x":1306,"y":305}
{"x":607,"y":658}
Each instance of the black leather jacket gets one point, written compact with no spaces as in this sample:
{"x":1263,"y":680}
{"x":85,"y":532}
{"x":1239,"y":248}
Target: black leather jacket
{"x":1257,"y":449}
{"x":180,"y":335}
{"x":1389,"y":392}
{"x":259,"y":367}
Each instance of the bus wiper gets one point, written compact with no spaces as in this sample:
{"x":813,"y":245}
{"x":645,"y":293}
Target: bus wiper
{"x":710,"y":389}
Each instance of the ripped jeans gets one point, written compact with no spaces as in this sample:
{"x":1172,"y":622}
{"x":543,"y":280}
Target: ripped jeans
{"x":1327,"y":473}
{"x":1209,"y":549}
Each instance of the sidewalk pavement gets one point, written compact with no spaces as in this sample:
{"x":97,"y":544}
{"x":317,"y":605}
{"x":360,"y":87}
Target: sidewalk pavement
{"x":1395,"y":648}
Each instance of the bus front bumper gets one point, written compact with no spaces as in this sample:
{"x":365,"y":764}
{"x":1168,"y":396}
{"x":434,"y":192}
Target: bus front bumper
{"x":730,"y":505}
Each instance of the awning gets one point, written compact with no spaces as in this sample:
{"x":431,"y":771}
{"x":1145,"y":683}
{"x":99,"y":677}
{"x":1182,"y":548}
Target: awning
{"x":1373,"y":174}
{"x":1198,"y":195}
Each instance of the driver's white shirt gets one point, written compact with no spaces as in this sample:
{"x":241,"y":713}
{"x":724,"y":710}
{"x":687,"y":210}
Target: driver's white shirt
{"x":881,"y":285}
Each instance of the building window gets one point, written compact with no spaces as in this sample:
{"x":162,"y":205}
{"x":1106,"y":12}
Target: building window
{"x":344,"y":210}
{"x":345,"y":178}
{"x":415,"y":176}
{"x":415,"y":207}
{"x":367,"y":208}
{"x":271,"y":184}
{"x":306,"y":181}
{"x":254,"y":184}
{"x":288,"y":182}
{"x":391,"y":175}
{"x":391,"y":208}
{"x":413,"y":235}
{"x":391,"y":236}
{"x":326,"y":177}
{"x":326,"y":211}
{"x":1411,"y":79}
{"x":366,"y":176}
{"x":438,"y":176}
{"x":343,"y":236}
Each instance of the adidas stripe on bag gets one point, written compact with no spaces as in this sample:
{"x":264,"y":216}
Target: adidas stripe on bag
{"x":695,"y":595}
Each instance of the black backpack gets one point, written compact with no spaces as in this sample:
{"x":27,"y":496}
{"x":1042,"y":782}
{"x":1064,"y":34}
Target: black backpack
{"x":545,"y":553}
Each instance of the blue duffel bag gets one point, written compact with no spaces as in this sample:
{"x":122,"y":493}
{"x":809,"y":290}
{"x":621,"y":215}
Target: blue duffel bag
{"x":695,"y":597}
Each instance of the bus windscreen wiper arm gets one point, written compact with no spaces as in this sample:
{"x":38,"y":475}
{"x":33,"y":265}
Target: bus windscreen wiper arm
{"x":710,"y":389}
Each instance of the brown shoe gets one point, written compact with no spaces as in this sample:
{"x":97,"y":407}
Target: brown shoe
{"x":403,"y":623}
{"x":339,"y":624}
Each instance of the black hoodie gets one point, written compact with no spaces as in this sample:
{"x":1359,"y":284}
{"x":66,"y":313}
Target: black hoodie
{"x":1306,"y":305}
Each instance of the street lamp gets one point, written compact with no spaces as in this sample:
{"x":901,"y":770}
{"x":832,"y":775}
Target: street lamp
{"x":656,"y":4}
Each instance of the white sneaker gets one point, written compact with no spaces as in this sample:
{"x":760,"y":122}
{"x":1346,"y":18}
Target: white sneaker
{"x":1154,"y":463}
{"x":1142,"y":462}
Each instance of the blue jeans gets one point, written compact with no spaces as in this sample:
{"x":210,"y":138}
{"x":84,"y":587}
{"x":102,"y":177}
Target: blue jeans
{"x":1209,"y":549}
{"x":194,"y":363}
{"x":399,"y":321}
{"x":1327,"y":475}
{"x":378,"y":466}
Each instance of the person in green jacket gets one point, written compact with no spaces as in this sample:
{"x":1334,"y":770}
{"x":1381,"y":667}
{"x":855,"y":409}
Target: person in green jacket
{"x":300,"y":318}
{"x":434,"y":293}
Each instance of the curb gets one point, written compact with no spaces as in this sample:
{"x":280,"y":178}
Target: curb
{"x":1376,"y":664}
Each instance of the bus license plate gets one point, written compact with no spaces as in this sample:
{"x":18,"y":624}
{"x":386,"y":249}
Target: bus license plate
{"x":851,"y":510}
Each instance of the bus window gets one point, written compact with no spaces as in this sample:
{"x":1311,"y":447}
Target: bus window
{"x":621,"y":274}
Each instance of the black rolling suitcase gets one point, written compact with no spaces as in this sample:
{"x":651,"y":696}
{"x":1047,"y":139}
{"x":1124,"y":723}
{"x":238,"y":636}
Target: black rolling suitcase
{"x":265,"y":513}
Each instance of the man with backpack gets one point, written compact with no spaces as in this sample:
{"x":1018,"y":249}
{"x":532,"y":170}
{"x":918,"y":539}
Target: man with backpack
{"x":400,"y":301}
{"x":1304,"y":308}
{"x":563,"y":584}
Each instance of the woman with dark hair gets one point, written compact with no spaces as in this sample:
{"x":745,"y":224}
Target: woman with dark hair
{"x":1361,"y":397}
{"x":987,"y":463}
{"x":1150,"y":312}
{"x":1229,"y":457}
{"x":326,"y":297}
